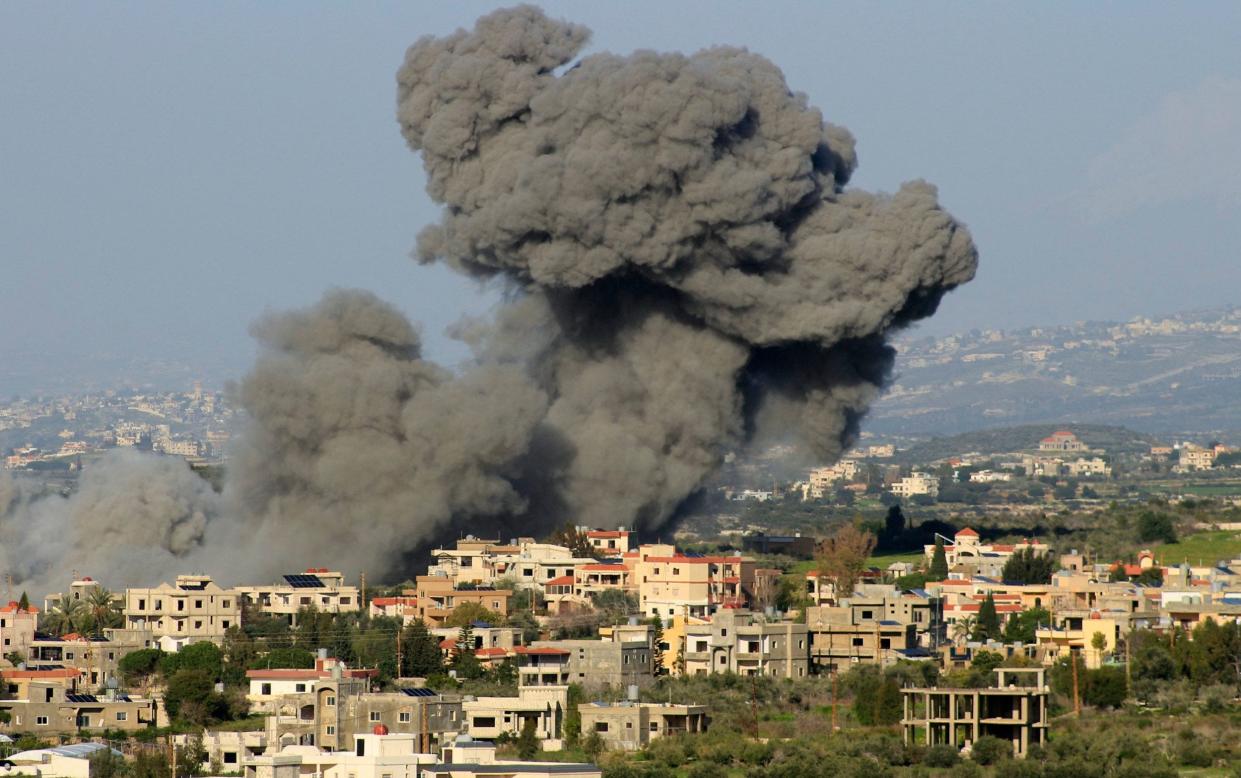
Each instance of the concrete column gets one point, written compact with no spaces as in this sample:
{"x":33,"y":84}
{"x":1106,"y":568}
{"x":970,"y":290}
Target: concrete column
{"x":928,"y":717}
{"x":977,"y":715}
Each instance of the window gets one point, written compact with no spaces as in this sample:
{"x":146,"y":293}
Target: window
{"x":142,"y":604}
{"x":654,"y":726}
{"x":676,"y":571}
{"x":857,"y":641}
{"x":198,"y":624}
{"x":180,"y":605}
{"x":83,"y":720}
{"x":628,"y":725}
{"x":331,"y":701}
{"x":301,"y":687}
{"x":485,"y":722}
{"x":331,"y":730}
{"x":404,"y":717}
{"x":225,"y":623}
{"x":230,"y":757}
{"x":266,"y":689}
{"x":40,"y":721}
{"x":374,"y":716}
{"x":360,"y":747}
{"x":601,"y":726}
{"x":159,"y":605}
{"x":225,"y":603}
{"x":868,"y":614}
{"x":344,"y":600}
{"x":885,"y":642}
{"x":68,"y":655}
{"x":198,"y":604}
{"x":121,"y":715}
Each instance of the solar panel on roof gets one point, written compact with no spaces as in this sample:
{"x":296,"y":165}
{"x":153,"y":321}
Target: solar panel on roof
{"x":304,"y":581}
{"x":81,"y":698}
{"x":419,"y":692}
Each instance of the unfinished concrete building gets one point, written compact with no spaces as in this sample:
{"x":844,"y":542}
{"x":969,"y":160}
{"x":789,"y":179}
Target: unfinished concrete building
{"x":1014,"y":710}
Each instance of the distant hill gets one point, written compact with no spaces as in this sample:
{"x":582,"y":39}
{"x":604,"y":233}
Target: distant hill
{"x":1005,"y":439}
{"x":1173,"y":375}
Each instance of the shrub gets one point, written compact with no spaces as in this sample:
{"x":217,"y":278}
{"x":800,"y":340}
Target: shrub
{"x":942,"y":755}
{"x":988,"y":750}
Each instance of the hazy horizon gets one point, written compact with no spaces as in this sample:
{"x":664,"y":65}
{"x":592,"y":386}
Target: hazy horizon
{"x":170,"y":173}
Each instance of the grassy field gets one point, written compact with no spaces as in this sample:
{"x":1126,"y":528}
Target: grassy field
{"x":1201,"y":547}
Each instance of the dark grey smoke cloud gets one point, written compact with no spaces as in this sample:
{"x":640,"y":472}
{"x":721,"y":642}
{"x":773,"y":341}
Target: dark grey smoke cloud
{"x":686,"y":275}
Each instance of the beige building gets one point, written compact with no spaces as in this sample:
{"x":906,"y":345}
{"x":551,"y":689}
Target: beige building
{"x":193,"y":608}
{"x":620,"y":662}
{"x":840,"y":637}
{"x":544,"y":706}
{"x":672,"y":584}
{"x":319,"y":589}
{"x":96,"y":660}
{"x":630,"y":726}
{"x":17,"y":628}
{"x":48,"y":702}
{"x":610,"y":542}
{"x":1191,"y":457}
{"x":915,"y":484}
{"x":1061,"y":440}
{"x":738,"y":641}
{"x":437,"y":596}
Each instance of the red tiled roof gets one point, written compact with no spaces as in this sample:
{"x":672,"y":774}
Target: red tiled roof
{"x":385,"y":601}
{"x":291,"y":674}
{"x":603,"y":568}
{"x":483,"y":653}
{"x":448,"y":643}
{"x":967,"y":532}
{"x":542,"y":651}
{"x":607,"y":533}
{"x":564,"y":580}
{"x":12,"y":608}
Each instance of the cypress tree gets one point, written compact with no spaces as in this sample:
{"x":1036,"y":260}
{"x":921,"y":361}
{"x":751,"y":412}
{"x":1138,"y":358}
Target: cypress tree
{"x":987,"y":627}
{"x":939,"y":563}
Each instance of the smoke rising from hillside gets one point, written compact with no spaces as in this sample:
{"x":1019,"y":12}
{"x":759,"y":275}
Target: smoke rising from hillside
{"x":686,"y":275}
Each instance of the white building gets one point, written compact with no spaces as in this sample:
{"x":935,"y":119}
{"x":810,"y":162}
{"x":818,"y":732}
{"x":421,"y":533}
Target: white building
{"x":915,"y":484}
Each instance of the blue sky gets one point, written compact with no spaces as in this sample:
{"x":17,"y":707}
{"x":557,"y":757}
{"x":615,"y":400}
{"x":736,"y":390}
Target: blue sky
{"x":170,"y":171}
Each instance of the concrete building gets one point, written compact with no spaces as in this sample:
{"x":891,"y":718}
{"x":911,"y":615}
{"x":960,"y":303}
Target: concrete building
{"x":610,"y":542}
{"x":672,"y":584}
{"x":270,"y":687}
{"x":332,"y":712}
{"x":70,"y":761}
{"x":542,"y":706}
{"x":1015,"y":710}
{"x":470,"y":758}
{"x":437,"y":596}
{"x":96,"y":660}
{"x":1061,"y":440}
{"x":49,"y":702}
{"x":631,"y":726}
{"x":376,"y":754}
{"x":737,"y":641}
{"x":841,"y":636}
{"x":968,"y":554}
{"x":319,"y":589}
{"x":17,"y":628}
{"x":915,"y":484}
{"x":192,"y":608}
{"x":619,"y":662}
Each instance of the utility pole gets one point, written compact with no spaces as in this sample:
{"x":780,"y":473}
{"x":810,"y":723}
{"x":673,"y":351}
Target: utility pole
{"x":835,"y":696}
{"x":399,"y":630}
{"x":1077,"y":699}
{"x":363,"y":588}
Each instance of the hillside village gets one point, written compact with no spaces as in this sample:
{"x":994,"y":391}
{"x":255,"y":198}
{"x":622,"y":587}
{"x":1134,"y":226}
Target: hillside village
{"x":506,"y":657}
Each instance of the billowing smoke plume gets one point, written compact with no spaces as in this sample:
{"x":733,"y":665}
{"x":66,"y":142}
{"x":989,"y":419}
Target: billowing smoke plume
{"x":686,"y":275}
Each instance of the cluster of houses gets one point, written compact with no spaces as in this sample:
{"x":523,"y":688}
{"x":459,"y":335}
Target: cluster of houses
{"x":692,"y":615}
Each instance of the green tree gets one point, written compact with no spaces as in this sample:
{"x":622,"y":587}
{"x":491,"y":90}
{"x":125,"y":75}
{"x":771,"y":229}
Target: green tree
{"x":987,"y":626}
{"x":65,"y":617}
{"x":138,"y":666}
{"x":841,"y":558}
{"x":527,"y":741}
{"x":939,"y":563}
{"x":284,"y":658}
{"x":470,"y":612}
{"x":191,"y":697}
{"x":1153,"y":526}
{"x":1021,"y":627}
{"x":657,"y":644}
{"x":203,"y":656}
{"x":23,"y":605}
{"x":1027,"y":567}
{"x":421,"y":656}
{"x":104,"y":609}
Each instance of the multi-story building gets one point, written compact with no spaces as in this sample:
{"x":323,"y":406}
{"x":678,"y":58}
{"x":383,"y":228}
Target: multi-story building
{"x":1192,"y":457}
{"x":672,"y":584}
{"x":986,"y":559}
{"x":400,"y":607}
{"x":334,"y":710}
{"x":1061,"y":440}
{"x":737,"y":641}
{"x":631,"y":726}
{"x":193,"y":608}
{"x":437,"y":596}
{"x":317,"y":589}
{"x":1015,"y":711}
{"x":96,"y":660}
{"x":915,"y":484}
{"x":841,"y":636}
{"x":269,"y":687}
{"x":619,"y":662}
{"x":49,"y":702}
{"x":610,"y":542}
{"x":17,"y":628}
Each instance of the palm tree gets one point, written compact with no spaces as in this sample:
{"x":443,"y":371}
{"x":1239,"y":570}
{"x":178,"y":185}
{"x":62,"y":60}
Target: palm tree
{"x":962,"y":629}
{"x":65,"y":616}
{"x":105,"y":611}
